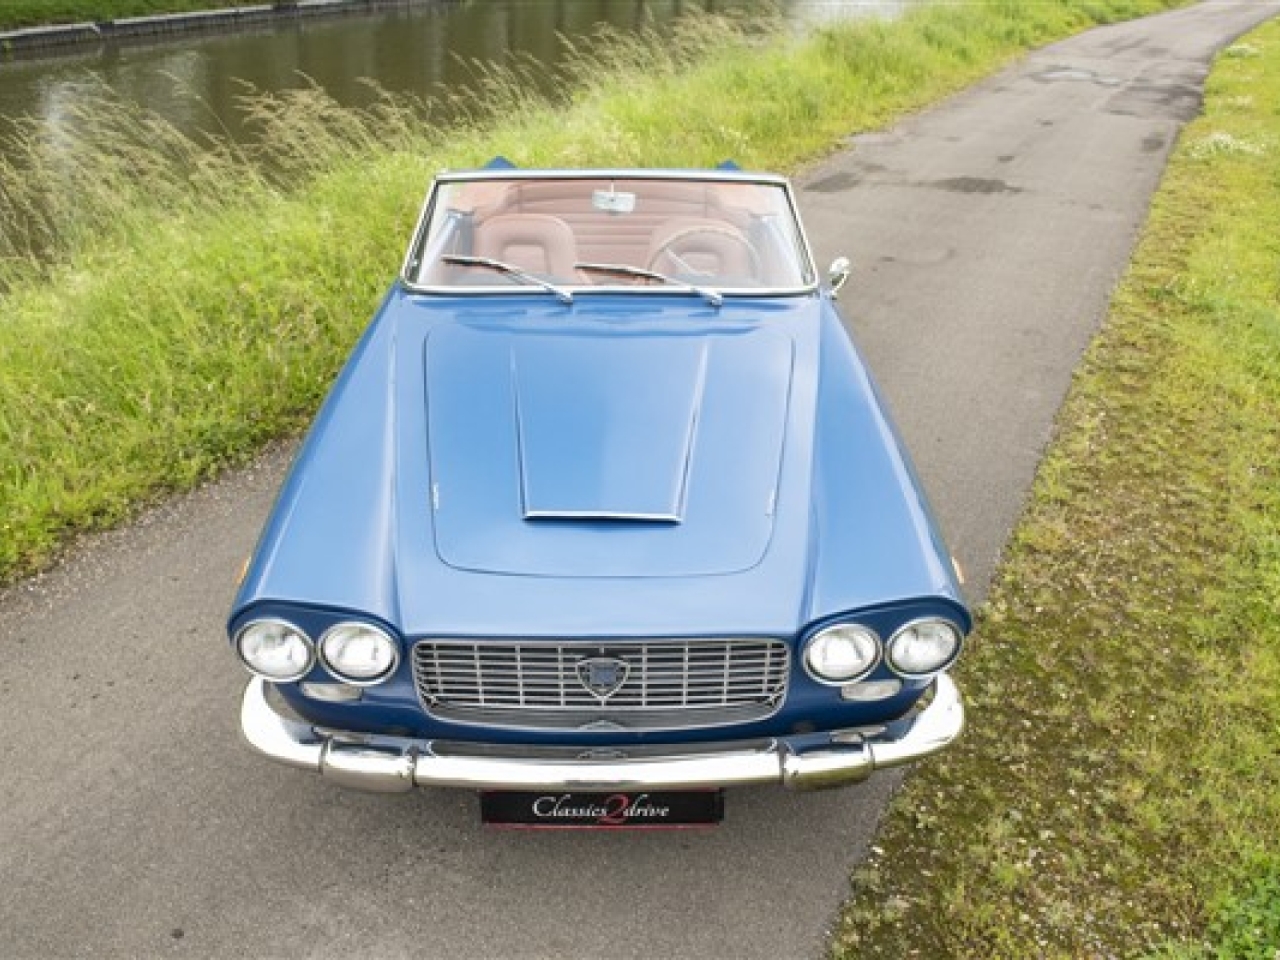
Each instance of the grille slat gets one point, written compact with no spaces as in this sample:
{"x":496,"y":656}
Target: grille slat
{"x":536,"y":684}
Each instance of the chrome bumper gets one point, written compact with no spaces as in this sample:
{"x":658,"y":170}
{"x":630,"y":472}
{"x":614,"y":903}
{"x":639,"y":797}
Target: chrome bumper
{"x":394,"y":765}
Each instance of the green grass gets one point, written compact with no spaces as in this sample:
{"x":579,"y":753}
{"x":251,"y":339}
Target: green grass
{"x":15,"y":14}
{"x":1117,"y":792}
{"x":170,"y":306}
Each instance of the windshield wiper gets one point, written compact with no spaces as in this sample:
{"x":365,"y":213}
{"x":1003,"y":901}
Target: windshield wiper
{"x":713,"y":297}
{"x":564,"y":296}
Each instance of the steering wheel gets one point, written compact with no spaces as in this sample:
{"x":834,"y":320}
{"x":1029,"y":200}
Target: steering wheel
{"x":724,"y":241}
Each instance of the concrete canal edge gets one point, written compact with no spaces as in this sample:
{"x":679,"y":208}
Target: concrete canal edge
{"x":37,"y":40}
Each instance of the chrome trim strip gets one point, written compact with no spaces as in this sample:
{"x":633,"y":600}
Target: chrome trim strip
{"x":602,"y":515}
{"x":396,"y":764}
{"x":604,"y":173}
{"x":606,"y":720}
{"x":746,"y":293}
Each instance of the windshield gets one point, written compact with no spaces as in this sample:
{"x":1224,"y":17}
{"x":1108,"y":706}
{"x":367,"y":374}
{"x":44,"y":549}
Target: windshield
{"x":574,"y":234}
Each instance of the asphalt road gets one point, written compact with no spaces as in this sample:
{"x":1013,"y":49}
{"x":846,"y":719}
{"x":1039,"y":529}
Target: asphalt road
{"x":987,"y":234}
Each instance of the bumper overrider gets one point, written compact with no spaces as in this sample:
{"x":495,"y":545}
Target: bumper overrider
{"x":398,"y":764}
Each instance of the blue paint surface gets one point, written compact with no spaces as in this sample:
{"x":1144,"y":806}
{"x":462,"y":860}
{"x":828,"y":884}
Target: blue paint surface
{"x":629,"y":466}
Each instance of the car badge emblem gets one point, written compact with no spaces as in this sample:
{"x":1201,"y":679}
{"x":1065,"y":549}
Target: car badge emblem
{"x":602,"y":676}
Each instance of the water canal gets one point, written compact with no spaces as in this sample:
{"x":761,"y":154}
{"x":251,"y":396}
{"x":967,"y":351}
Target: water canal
{"x":197,"y":82}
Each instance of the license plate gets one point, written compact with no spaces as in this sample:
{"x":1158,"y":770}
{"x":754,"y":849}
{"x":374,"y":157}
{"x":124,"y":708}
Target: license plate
{"x":620,"y":810}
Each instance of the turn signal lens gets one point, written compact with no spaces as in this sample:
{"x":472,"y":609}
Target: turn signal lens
{"x":868,"y":691}
{"x":275,"y":650}
{"x":358,"y":653}
{"x":923,"y":648}
{"x":842,"y":653}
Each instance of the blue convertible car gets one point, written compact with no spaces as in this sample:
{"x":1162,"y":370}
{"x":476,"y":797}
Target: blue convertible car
{"x":603,"y":515}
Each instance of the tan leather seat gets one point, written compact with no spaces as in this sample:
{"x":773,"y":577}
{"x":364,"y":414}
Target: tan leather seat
{"x":534,"y":242}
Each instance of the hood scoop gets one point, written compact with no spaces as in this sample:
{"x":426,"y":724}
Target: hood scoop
{"x":593,"y":451}
{"x":605,"y":429}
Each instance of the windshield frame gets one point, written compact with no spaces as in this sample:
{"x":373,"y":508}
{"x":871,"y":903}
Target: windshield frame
{"x":412,"y":263}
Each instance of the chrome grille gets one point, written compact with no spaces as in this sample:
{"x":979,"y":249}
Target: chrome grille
{"x":660,"y":684}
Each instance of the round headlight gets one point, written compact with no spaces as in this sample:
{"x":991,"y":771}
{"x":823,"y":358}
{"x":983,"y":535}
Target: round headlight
{"x":276,"y":650}
{"x":923,"y":648}
{"x":358,"y":653}
{"x":842,"y":653}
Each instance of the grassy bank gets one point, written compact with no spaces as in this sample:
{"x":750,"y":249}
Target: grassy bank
{"x":1117,"y":793}
{"x":170,"y":306}
{"x":15,"y":14}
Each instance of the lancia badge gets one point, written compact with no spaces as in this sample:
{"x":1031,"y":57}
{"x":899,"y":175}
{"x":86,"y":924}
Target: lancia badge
{"x":602,"y":676}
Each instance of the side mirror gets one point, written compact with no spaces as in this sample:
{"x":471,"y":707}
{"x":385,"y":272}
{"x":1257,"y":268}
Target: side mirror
{"x":838,"y":274}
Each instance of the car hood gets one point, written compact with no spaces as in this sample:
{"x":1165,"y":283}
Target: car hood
{"x":625,"y":466}
{"x":616,"y":452}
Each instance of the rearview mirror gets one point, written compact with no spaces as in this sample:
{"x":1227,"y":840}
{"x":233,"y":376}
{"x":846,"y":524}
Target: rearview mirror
{"x":611,"y":201}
